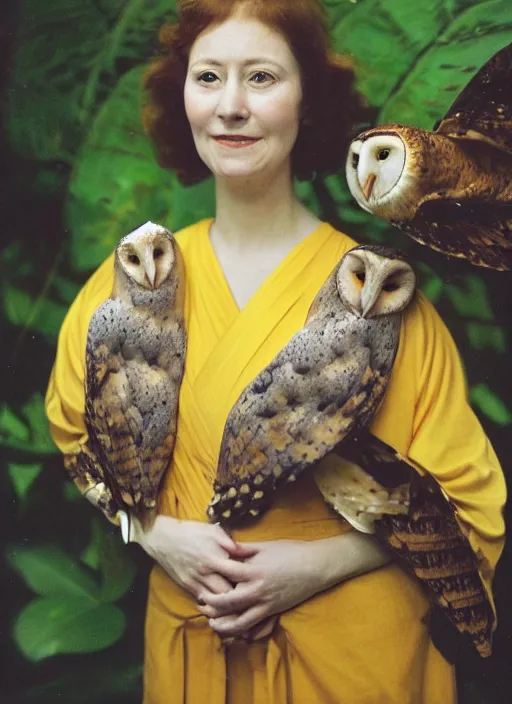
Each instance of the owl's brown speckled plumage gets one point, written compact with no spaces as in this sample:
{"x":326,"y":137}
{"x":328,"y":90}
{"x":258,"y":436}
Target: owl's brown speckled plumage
{"x":450,"y":189}
{"x":408,"y":512}
{"x":134,"y":365}
{"x":324,"y":385}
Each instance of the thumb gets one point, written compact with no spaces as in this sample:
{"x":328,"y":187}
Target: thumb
{"x":242,"y":550}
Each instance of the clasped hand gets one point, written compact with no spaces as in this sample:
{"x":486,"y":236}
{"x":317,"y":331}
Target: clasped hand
{"x":236,"y":585}
{"x":273,"y":576}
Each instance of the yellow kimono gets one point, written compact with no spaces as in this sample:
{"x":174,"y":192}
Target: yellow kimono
{"x":364,"y":641}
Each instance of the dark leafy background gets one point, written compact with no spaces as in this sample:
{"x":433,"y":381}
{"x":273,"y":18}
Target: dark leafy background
{"x":80,"y":173}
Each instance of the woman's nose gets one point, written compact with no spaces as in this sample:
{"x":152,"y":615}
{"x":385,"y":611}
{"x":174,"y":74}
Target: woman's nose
{"x":232,"y":103}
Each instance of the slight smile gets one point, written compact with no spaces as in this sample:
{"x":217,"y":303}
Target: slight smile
{"x":235,"y":141}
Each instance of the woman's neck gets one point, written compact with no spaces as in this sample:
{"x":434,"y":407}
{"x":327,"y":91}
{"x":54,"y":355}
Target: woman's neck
{"x":252,"y":216}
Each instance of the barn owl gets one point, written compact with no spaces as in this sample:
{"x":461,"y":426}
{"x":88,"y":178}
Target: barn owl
{"x":380,"y":492}
{"x":450,"y":189}
{"x":134,"y":365}
{"x":325,"y":384}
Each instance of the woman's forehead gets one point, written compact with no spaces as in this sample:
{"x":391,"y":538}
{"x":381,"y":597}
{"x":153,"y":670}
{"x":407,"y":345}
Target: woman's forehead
{"x":243,"y":40}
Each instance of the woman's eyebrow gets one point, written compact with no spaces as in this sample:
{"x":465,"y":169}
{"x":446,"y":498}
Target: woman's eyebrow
{"x":247,"y":62}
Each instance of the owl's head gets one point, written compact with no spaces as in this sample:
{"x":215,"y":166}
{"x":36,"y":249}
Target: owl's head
{"x":374,"y":280}
{"x":147,"y":255}
{"x":388,"y":169}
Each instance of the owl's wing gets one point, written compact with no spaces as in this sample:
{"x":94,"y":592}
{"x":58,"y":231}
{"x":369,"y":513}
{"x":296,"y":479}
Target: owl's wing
{"x":364,"y":479}
{"x":485,"y":105}
{"x":130,"y":414}
{"x":426,"y":538}
{"x":86,"y":472}
{"x":477,"y":230}
{"x":327,"y":382}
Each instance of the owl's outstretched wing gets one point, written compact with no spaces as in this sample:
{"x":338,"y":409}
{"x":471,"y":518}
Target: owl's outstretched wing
{"x":485,"y":105}
{"x":411,"y":516}
{"x":326,"y":383}
{"x":474,"y":229}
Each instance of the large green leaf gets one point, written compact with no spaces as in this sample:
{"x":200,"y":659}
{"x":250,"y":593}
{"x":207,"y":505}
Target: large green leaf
{"x":412,"y":59}
{"x":56,"y":44}
{"x":50,"y":626}
{"x":68,"y":55}
{"x":117,"y":184}
{"x":441,"y":72}
{"x":49,"y":571}
{"x":385,"y":38}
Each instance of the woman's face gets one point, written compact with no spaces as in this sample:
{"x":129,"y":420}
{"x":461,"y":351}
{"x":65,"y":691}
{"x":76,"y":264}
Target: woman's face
{"x":242,"y":98}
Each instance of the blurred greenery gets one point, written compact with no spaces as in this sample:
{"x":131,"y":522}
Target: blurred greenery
{"x":81,"y":173}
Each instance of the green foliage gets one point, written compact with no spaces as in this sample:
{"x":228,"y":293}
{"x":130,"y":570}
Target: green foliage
{"x":55,"y":625}
{"x":75,"y":611}
{"x":22,"y":477}
{"x":487,"y":401}
{"x":74,"y":97}
{"x":66,"y":61}
{"x":50,"y":572}
{"x":116,"y":184}
{"x":29,"y":432}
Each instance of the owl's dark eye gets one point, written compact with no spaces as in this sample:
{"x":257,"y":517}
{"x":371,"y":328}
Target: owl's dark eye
{"x":355,"y":160}
{"x":133,"y":258}
{"x":383,"y":154}
{"x":157,"y":253}
{"x":390,"y":286}
{"x":360,"y":275}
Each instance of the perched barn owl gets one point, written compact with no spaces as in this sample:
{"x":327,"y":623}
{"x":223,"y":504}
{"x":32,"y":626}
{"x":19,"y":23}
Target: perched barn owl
{"x":324,"y":385}
{"x":379,"y":492}
{"x":450,"y":189}
{"x":134,"y":365}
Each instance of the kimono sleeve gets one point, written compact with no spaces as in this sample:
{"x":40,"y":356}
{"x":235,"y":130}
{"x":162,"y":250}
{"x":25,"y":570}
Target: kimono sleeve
{"x":450,"y":443}
{"x":65,"y":396}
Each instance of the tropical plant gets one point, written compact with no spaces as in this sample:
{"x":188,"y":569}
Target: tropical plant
{"x":82,"y":174}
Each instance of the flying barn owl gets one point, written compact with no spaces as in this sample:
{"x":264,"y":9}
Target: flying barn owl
{"x":324,"y":385}
{"x":134,"y":365}
{"x":379,"y":492}
{"x":450,"y":189}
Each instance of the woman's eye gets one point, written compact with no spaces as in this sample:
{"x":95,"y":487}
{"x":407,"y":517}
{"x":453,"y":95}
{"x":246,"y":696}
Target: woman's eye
{"x":207,"y":77}
{"x":261,"y":77}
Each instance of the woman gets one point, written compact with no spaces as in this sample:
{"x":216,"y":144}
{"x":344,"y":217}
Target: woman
{"x":263,"y":100}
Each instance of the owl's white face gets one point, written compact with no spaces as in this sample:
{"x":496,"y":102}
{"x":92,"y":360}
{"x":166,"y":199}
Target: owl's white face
{"x":374,"y":168}
{"x":370,"y":284}
{"x":146,"y":255}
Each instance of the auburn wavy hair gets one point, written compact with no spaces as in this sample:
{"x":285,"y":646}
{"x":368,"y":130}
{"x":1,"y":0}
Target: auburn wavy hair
{"x":331,"y":106}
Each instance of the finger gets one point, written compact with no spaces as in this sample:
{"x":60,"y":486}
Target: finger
{"x":243,"y":550}
{"x":216,"y":583}
{"x":233,"y":570}
{"x":209,"y":611}
{"x":242,"y":597}
{"x":237,"y":625}
{"x":224,"y":539}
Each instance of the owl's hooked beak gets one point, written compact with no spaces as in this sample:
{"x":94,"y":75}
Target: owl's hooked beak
{"x":149,"y":268}
{"x":367,"y":188}
{"x":369,"y":296}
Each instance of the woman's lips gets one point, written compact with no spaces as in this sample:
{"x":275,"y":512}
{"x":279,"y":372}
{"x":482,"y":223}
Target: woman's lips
{"x":236,"y":141}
